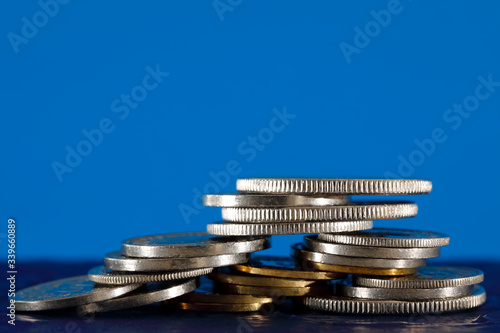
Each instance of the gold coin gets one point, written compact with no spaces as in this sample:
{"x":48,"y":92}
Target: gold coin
{"x":200,"y":297}
{"x":223,"y":275}
{"x":274,"y":292}
{"x":220,"y":307}
{"x":283,"y":267}
{"x":362,"y":270}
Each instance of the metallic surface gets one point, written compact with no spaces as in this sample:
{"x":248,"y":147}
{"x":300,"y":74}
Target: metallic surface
{"x":65,"y":293}
{"x":283,"y":267}
{"x":220,"y":307}
{"x":117,"y":262}
{"x":225,"y":276}
{"x":102,"y":275}
{"x":148,"y":294}
{"x":190,"y":244}
{"x":427,"y":277}
{"x":271,"y":200}
{"x":363,"y":306}
{"x":334,"y":186}
{"x":389,"y":237}
{"x":331,"y":259}
{"x":314,"y":244}
{"x":361,"y":270}
{"x":355,"y":211}
{"x":274,"y":292}
{"x":346,"y":290}
{"x":285,"y":228}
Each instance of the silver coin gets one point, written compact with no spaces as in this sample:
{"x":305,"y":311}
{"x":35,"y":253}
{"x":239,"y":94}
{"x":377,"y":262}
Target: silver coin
{"x":148,"y":294}
{"x":426,"y":277}
{"x":389,"y":237}
{"x":237,"y":229}
{"x":353,"y":212}
{"x":102,"y":275}
{"x":115,"y":261}
{"x":266,"y":200}
{"x":314,"y":244}
{"x":346,"y":290}
{"x":191,"y":244}
{"x":334,"y":186}
{"x":331,"y":259}
{"x":365,"y":306}
{"x":66,"y":293}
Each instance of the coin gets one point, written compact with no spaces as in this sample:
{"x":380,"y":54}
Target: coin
{"x":383,"y":210}
{"x":333,"y":186}
{"x":360,"y":270}
{"x":237,"y":229}
{"x":191,"y":244}
{"x":148,"y":294}
{"x":100,"y":274}
{"x":346,"y":290}
{"x":274,"y":292}
{"x":426,"y":277}
{"x":314,"y":244}
{"x":283,"y":267}
{"x":338,"y":304}
{"x":115,"y":261}
{"x":331,"y":259}
{"x":224,"y":276}
{"x":220,"y":307}
{"x":66,"y":293}
{"x":266,"y":200}
{"x":389,"y":237}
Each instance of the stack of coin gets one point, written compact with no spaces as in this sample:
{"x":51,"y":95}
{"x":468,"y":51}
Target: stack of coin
{"x":345,"y":266}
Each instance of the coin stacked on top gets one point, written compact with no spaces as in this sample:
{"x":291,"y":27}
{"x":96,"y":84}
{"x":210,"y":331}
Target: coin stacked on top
{"x":344,"y":267}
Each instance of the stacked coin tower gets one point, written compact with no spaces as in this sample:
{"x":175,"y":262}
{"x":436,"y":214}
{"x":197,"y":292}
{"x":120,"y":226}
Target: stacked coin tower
{"x":345,"y":266}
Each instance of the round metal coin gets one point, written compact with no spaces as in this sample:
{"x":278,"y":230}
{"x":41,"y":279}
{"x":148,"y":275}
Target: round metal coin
{"x":285,"y":228}
{"x":282,"y":267}
{"x":115,"y":261}
{"x":274,"y":292}
{"x":355,"y":211}
{"x":334,"y":186}
{"x":344,"y":289}
{"x":314,"y":244}
{"x":389,"y":237}
{"x":100,"y":274}
{"x":360,"y":270}
{"x":148,"y":294}
{"x":224,"y":276}
{"x":364,"y":306}
{"x":266,"y":200}
{"x":220,"y":307}
{"x":66,"y":293}
{"x":426,"y":277}
{"x":191,"y":244}
{"x":331,"y":259}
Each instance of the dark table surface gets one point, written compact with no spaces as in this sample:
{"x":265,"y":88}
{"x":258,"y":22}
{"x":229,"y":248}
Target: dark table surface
{"x":280,"y":318}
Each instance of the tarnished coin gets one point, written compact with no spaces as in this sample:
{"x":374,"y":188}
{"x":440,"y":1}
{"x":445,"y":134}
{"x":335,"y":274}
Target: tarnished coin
{"x":100,"y":274}
{"x":359,"y":270}
{"x":316,"y":245}
{"x":333,"y":186}
{"x":347,"y":290}
{"x":426,"y":277}
{"x":191,"y":244}
{"x":66,"y":293}
{"x":275,"y":292}
{"x":273,"y":200}
{"x":220,"y":307}
{"x":148,"y":294}
{"x":115,"y":261}
{"x":225,"y":276}
{"x":389,"y":237}
{"x":338,"y":304}
{"x":237,"y":229}
{"x":355,"y":211}
{"x":331,"y":259}
{"x":282,"y":267}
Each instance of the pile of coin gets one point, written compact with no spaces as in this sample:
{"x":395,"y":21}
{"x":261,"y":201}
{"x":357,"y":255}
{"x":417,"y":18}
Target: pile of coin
{"x":345,"y":266}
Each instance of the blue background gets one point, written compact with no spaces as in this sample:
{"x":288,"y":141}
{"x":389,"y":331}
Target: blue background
{"x":227,"y":73}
